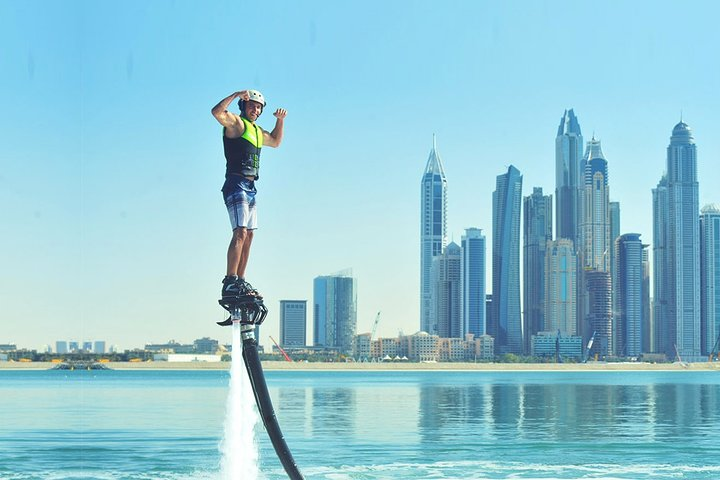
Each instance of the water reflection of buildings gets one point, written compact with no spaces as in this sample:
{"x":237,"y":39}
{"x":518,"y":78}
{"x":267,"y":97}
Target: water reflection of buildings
{"x":570,"y":412}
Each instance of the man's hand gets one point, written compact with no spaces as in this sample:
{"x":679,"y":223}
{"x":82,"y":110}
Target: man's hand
{"x":243,"y":94}
{"x":280,"y":113}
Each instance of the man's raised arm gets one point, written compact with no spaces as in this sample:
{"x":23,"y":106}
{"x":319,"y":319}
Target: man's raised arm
{"x":274,"y":138}
{"x":220,"y":111}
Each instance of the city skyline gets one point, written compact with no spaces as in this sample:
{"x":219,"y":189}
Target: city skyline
{"x":112,"y":163}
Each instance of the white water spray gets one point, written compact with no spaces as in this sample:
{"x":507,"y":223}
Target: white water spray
{"x":239,"y":446}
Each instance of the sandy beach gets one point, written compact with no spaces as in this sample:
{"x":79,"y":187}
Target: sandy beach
{"x":281,"y":365}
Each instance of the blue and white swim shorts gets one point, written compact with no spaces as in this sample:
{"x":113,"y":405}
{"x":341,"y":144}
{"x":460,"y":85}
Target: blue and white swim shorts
{"x":239,"y":195}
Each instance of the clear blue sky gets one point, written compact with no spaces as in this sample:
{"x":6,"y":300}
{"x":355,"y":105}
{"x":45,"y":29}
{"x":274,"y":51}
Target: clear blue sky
{"x":113,"y":226}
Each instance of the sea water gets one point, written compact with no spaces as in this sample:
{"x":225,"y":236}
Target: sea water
{"x":366,"y":424}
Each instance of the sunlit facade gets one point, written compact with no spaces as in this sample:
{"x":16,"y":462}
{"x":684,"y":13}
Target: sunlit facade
{"x":433,"y":231}
{"x":507,"y":323}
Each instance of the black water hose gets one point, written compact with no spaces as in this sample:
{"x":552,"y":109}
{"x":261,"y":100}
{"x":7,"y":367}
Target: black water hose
{"x":262,"y":398}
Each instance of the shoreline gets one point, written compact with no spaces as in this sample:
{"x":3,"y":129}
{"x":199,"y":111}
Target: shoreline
{"x":330,"y":366}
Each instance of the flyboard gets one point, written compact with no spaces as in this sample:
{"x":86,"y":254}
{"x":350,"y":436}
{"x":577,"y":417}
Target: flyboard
{"x":248,"y":311}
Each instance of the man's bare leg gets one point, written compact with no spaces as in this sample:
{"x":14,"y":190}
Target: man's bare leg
{"x":244,"y":253}
{"x":235,"y":252}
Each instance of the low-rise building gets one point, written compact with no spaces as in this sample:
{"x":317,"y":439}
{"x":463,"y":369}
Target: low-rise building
{"x":550,"y":344}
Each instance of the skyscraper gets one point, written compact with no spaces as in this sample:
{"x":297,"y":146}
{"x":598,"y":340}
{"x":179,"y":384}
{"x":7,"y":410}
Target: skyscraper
{"x":447,"y":294}
{"x":614,"y":234}
{"x":433,"y":230}
{"x":507,"y":323}
{"x":560,"y":279}
{"x":600,"y":316}
{"x":537,"y":232}
{"x":661,"y":270}
{"x":681,"y":269}
{"x":593,"y":244}
{"x":293,"y":323}
{"x":335,"y":311}
{"x":629,"y":295}
{"x":568,"y":159}
{"x":710,"y":277}
{"x":473,"y":282}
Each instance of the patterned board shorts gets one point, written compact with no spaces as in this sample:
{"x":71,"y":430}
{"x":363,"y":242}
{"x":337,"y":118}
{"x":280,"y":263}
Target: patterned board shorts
{"x":239,"y":195}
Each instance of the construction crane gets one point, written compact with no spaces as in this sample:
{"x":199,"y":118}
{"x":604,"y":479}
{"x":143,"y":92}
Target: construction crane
{"x":374,"y":329}
{"x":281,"y":350}
{"x":713,"y":357}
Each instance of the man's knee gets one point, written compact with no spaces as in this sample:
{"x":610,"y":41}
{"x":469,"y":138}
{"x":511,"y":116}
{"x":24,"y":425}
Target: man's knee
{"x":240,"y":234}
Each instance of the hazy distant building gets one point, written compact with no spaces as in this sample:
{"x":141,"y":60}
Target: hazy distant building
{"x":433,"y":230}
{"x":206,"y":345}
{"x":629,"y":250}
{"x":593,"y":246}
{"x":568,"y":159}
{"x":473,"y":281}
{"x":560,"y":287}
{"x":680,"y":266}
{"x":537,"y":232}
{"x":74,"y":347}
{"x":99,"y":347}
{"x":614,"y":234}
{"x":61,"y":346}
{"x":335,"y":311}
{"x":600,"y":312}
{"x":447,"y":295}
{"x":648,"y":331}
{"x":293,"y":323}
{"x":710,"y":277}
{"x":661,"y":270}
{"x":507,"y":322}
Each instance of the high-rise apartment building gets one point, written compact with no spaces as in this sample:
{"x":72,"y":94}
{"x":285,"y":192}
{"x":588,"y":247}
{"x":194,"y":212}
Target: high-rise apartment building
{"x":710,"y":278}
{"x":293,"y":323}
{"x":600,"y":316}
{"x":447,"y":293}
{"x":433,"y":231}
{"x":629,"y":254}
{"x":681,"y":267}
{"x":593,"y":245}
{"x":473,"y":282}
{"x":560,"y":280}
{"x":568,"y":159}
{"x":537,"y":232}
{"x":661,"y":271}
{"x":335,"y":311}
{"x":507,"y":322}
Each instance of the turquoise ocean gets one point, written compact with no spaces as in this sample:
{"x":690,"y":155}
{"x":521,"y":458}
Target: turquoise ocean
{"x":159,"y":424}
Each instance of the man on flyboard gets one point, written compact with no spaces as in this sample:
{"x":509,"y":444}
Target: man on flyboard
{"x":242,"y":142}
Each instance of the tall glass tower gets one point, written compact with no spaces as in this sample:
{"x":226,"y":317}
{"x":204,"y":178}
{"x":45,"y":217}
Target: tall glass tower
{"x":630,"y":295}
{"x":433,"y":231}
{"x":593,"y":245}
{"x":506,"y":322}
{"x":560,"y":279}
{"x":537,"y":232}
{"x":661,"y":271}
{"x":335,"y":311}
{"x":447,"y":294}
{"x":710,"y":277}
{"x":568,"y":159}
{"x":473,"y":281}
{"x":681,"y":331}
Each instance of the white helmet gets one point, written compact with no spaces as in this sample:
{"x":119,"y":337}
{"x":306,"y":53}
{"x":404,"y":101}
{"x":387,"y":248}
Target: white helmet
{"x":256,"y":96}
